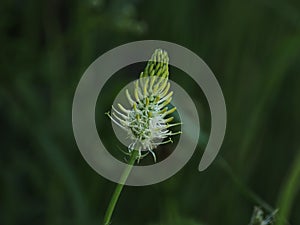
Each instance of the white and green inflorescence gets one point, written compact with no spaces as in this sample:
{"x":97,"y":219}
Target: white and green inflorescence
{"x":147,"y":122}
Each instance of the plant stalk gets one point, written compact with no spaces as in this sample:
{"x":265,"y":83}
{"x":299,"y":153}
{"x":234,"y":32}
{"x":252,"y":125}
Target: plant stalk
{"x":118,"y":190}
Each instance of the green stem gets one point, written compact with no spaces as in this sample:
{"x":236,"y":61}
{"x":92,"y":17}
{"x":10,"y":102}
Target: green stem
{"x":119,"y":188}
{"x":289,"y":191}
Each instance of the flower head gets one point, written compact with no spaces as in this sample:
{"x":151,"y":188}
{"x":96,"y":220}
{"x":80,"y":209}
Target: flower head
{"x":147,"y":122}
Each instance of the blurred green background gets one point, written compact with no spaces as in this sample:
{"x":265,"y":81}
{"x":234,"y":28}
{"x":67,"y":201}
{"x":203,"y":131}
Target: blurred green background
{"x":253,"y":47}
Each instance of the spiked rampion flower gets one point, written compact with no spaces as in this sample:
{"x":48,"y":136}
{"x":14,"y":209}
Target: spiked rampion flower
{"x":147,"y":122}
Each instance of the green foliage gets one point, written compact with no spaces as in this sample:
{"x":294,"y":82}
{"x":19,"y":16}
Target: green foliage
{"x":253,"y":47}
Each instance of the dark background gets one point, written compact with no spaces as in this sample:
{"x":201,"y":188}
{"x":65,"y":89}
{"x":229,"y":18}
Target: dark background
{"x":253,"y":47}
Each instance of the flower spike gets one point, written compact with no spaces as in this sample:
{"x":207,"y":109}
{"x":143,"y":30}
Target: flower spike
{"x":146,"y":122}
